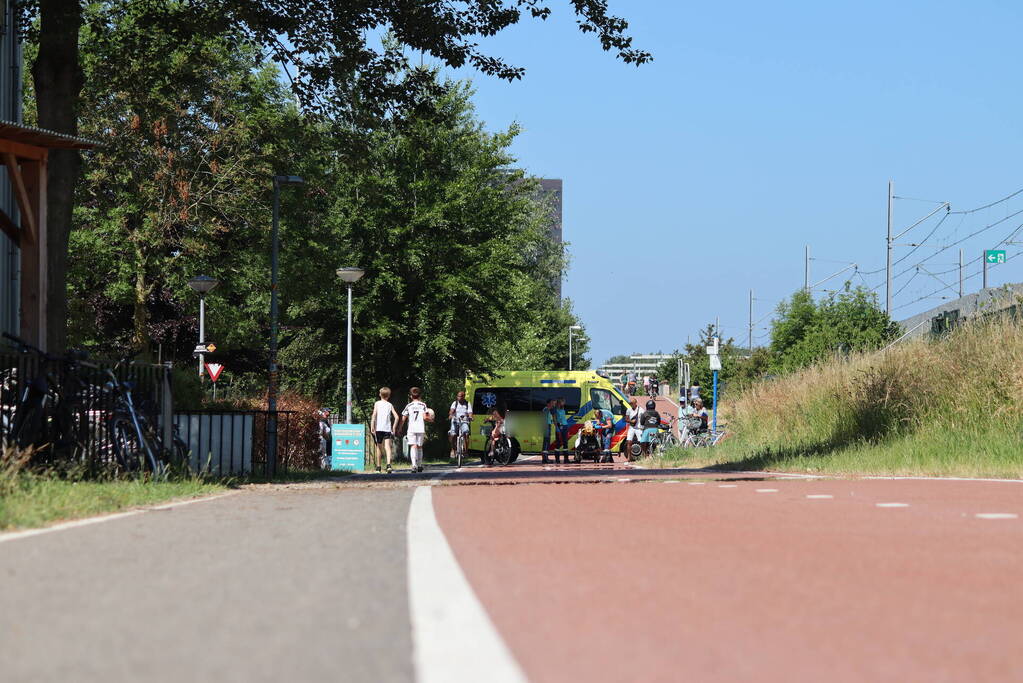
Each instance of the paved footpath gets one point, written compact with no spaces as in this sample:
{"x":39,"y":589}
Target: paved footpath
{"x":531,"y":573}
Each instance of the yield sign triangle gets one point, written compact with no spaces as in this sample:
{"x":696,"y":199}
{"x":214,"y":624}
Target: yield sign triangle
{"x":214,"y":369}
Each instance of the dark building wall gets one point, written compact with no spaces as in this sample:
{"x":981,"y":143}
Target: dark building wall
{"x":10,"y":110}
{"x":552,"y":191}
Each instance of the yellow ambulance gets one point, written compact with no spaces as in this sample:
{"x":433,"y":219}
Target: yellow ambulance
{"x":522,"y":395}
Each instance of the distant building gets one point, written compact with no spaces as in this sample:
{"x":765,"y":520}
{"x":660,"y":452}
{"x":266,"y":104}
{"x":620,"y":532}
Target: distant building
{"x":551,"y":190}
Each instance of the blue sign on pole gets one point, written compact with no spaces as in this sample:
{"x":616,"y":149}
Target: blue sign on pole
{"x":347,"y":447}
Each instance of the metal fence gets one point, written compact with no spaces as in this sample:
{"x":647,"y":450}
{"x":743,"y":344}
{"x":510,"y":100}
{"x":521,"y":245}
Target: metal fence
{"x":73,"y":405}
{"x":234,"y":442}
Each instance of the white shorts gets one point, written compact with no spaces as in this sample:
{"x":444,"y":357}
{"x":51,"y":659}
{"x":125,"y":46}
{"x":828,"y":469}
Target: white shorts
{"x":415,"y":439}
{"x":634,"y":434}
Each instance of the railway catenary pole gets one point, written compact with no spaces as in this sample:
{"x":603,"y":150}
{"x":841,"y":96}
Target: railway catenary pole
{"x":888,"y":257}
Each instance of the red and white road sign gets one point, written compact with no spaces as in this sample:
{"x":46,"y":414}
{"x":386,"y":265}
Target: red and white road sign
{"x":214,"y":369}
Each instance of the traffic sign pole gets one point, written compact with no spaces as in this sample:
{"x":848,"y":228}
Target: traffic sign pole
{"x":715,"y":425}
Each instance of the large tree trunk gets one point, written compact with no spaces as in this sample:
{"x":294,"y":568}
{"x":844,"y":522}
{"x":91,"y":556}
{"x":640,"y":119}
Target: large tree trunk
{"x":57,"y":75}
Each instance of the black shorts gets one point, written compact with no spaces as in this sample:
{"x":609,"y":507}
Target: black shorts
{"x":380,"y":437}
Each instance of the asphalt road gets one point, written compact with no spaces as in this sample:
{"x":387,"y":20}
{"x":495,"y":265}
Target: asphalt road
{"x":542,"y":573}
{"x":268,"y":585}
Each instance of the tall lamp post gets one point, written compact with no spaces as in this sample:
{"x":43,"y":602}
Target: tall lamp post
{"x":349,"y":276}
{"x":202,"y":285}
{"x":271,"y":394}
{"x":570,"y":329}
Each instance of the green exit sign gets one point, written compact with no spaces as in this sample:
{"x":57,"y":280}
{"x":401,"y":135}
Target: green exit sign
{"x":994,"y":256}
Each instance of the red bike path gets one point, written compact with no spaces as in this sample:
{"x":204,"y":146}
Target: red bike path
{"x":746,"y":578}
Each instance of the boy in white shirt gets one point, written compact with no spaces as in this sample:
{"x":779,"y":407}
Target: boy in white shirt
{"x":382,"y":422}
{"x":416,"y":414}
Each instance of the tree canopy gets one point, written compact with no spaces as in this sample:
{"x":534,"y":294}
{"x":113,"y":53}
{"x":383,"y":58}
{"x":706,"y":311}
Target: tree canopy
{"x":338,"y":68}
{"x":455,"y":242}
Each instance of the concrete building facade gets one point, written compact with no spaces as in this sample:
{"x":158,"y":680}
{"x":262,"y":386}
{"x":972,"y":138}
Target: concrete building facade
{"x":552,"y":190}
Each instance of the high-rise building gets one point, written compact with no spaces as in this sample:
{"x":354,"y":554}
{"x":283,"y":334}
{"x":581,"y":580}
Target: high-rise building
{"x":551,"y":189}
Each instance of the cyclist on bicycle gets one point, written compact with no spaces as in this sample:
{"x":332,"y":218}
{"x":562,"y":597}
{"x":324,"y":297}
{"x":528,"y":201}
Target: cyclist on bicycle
{"x":460,"y":415}
{"x":650,"y":421}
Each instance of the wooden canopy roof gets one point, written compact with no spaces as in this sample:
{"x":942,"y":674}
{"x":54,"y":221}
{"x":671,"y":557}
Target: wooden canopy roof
{"x":40,"y":137}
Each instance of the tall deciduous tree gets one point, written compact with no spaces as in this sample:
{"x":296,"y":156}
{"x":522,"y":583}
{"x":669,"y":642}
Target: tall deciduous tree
{"x":328,"y":45}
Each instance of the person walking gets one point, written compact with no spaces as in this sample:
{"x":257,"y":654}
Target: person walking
{"x":548,"y":423}
{"x":383,"y":420}
{"x":635,"y":429}
{"x":415,"y":415}
{"x":323,"y":426}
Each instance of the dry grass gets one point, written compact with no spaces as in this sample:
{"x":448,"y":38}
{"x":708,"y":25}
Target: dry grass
{"x":954,"y":406}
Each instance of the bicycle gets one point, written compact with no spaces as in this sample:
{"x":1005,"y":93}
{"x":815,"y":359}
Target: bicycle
{"x":462,"y":440}
{"x":130,"y":430}
{"x":502,"y":453}
{"x":664,"y":438}
{"x":50,"y":407}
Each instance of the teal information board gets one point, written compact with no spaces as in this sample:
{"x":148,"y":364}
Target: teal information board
{"x":348,"y":447}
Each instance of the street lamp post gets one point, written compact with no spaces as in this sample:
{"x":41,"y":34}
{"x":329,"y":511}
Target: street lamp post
{"x":349,"y":276}
{"x":271,"y":394}
{"x":202,"y":285}
{"x":570,"y":328}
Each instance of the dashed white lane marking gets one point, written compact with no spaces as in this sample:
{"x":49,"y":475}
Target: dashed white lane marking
{"x":892,"y":505}
{"x":443,"y":604}
{"x":728,"y":486}
{"x":15,"y":535}
{"x":624,"y":479}
{"x":996,"y":515}
{"x":819,"y":496}
{"x":767,"y":490}
{"x":697,"y":483}
{"x":672,"y":481}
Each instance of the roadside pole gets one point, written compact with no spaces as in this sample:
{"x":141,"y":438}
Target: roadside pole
{"x":715,"y":366}
{"x":714,"y":427}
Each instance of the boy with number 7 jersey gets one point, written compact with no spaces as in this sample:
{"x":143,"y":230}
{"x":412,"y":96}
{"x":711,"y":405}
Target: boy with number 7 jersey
{"x":416,"y":414}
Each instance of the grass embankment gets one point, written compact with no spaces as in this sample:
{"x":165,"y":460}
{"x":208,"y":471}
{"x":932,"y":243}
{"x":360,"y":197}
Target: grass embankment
{"x":31,"y":500}
{"x":952,"y":407}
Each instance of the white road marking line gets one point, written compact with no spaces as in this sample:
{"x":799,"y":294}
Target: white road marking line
{"x":820,"y":496}
{"x":996,"y":515}
{"x":442,"y":604}
{"x":624,"y":479}
{"x":892,"y":505}
{"x":15,"y":535}
{"x":728,"y":486}
{"x":767,"y":490}
{"x":671,"y":481}
{"x":697,"y":483}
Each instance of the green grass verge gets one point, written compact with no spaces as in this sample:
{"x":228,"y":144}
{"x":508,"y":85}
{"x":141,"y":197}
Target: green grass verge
{"x":30,"y":500}
{"x":988,"y":454}
{"x":949,"y":407}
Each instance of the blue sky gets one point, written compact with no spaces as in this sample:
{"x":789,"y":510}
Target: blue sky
{"x":758,"y":128}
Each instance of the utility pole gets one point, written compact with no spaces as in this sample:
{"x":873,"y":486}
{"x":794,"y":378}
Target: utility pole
{"x":806,"y":268}
{"x":960,"y":273}
{"x":983,"y":257}
{"x":888,"y":260}
{"x":751,"y":322}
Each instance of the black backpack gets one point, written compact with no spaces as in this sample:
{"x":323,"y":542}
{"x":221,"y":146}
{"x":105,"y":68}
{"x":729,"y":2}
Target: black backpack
{"x":651,"y":418}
